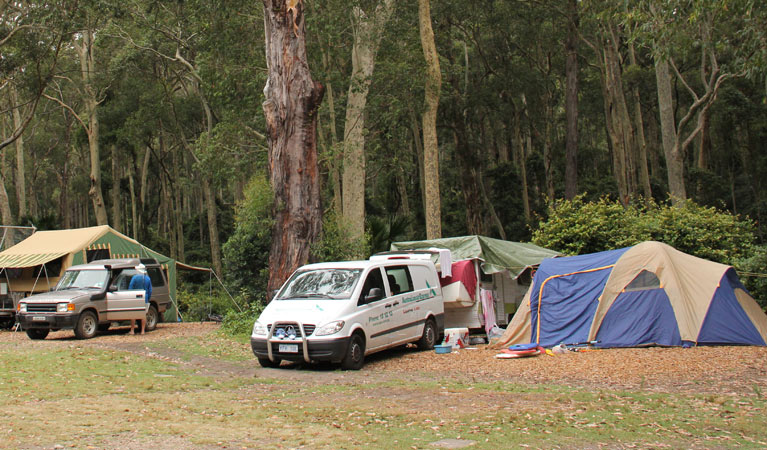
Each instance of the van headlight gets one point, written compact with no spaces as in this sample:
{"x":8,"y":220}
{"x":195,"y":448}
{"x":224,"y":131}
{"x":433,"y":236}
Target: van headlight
{"x":329,"y":328}
{"x":259,"y":329}
{"x":65,"y":307}
{"x":22,"y":307}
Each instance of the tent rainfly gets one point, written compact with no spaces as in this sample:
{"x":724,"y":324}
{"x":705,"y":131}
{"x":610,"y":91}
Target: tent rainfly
{"x":648,"y":294}
{"x":483,"y":269}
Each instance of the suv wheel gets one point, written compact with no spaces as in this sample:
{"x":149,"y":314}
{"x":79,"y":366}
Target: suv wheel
{"x":152,"y":317}
{"x":37,"y":333}
{"x":87,"y":325}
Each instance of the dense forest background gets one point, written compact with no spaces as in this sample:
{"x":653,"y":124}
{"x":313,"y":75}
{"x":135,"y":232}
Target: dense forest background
{"x":147,"y":115}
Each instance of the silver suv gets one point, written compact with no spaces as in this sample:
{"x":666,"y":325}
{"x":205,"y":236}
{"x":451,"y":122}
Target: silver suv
{"x":89,"y":297}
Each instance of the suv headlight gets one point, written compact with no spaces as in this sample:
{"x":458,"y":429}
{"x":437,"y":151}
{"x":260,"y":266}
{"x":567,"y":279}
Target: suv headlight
{"x":259,"y":329}
{"x":65,"y":307}
{"x":22,"y":307}
{"x":329,"y":328}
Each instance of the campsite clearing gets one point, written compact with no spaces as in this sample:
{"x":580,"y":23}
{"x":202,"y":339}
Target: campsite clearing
{"x":185,"y":386}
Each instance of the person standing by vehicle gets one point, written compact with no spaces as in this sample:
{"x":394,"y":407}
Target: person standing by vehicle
{"x":141,"y":281}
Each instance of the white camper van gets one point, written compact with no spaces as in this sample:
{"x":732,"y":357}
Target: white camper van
{"x":341,"y":311}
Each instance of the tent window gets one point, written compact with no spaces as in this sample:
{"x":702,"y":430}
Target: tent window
{"x":94,"y":255}
{"x":645,"y":280}
{"x":53,"y":268}
{"x":12,"y":273}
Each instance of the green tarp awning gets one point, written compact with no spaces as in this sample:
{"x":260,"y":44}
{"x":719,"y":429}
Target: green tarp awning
{"x":496,"y":255}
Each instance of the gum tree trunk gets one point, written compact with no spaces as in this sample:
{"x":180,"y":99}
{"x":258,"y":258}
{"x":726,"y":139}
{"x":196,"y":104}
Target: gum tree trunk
{"x":290,"y":108}
{"x":430,"y":148}
{"x":571,"y":101}
{"x":367,"y":38}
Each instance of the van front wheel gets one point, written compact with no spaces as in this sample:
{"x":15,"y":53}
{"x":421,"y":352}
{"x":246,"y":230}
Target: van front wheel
{"x":355,"y":354}
{"x":268,"y":363}
{"x":429,"y":337}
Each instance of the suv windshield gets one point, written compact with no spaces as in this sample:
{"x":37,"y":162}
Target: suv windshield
{"x":83,"y":279}
{"x":321,"y":283}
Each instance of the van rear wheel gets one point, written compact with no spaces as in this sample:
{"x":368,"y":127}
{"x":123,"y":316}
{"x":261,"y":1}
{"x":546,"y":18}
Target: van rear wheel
{"x":429,"y":337}
{"x":355,"y":354}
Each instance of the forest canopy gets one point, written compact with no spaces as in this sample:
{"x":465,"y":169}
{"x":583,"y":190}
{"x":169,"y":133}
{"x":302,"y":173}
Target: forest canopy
{"x":148,"y":115}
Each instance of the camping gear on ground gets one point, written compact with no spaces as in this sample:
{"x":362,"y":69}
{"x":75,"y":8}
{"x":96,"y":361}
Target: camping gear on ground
{"x":477,"y":340}
{"x":457,"y":337}
{"x":520,"y":352}
{"x":648,"y":294}
{"x":443,"y":348}
{"x":502,"y":267}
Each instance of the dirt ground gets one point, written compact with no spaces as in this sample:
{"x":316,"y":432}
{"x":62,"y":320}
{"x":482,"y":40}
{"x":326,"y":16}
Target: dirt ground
{"x":715,"y":370}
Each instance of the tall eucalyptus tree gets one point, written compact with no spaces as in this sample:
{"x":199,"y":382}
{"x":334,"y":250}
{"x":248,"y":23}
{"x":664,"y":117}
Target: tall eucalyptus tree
{"x":290,"y":108}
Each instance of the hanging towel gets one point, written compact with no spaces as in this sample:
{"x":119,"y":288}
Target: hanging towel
{"x":488,"y":308}
{"x":445,"y":261}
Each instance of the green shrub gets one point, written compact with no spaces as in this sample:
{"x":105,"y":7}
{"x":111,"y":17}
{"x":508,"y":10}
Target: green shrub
{"x":336,"y":243}
{"x":246,"y":253}
{"x":240,"y":323}
{"x":197,"y":306}
{"x":752,"y":270}
{"x":577,"y":227}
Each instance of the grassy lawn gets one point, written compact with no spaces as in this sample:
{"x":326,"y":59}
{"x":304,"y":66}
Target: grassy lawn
{"x":87,"y":397}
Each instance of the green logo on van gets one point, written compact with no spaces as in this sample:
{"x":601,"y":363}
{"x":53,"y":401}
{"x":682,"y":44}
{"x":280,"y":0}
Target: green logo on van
{"x":431,"y":290}
{"x":425,"y":296}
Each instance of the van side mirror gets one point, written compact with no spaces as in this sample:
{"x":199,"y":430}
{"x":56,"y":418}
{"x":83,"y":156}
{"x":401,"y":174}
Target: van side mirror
{"x":374,"y":295}
{"x":112,"y":288}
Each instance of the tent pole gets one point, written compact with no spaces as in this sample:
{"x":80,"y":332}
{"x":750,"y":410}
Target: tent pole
{"x":210,"y":293}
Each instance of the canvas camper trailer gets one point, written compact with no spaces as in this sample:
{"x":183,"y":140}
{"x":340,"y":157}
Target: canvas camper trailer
{"x":35,"y":264}
{"x":482,"y":269}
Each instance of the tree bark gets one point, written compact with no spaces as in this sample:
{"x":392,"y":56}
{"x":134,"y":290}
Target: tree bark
{"x":116,"y":203}
{"x":520,"y":158}
{"x":367,"y":38}
{"x":178,"y":217}
{"x":290,"y":108}
{"x":548,"y":156}
{"x":641,"y":142}
{"x":335,"y":160}
{"x":5,"y":205}
{"x":571,"y":101}
{"x":468,"y":166}
{"x":672,"y":152}
{"x":618,"y":118}
{"x":430,"y":145}
{"x":133,"y":200}
{"x":21,"y":183}
{"x":704,"y":148}
{"x":85,"y":49}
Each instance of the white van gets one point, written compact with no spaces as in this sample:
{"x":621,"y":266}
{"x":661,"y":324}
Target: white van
{"x":341,"y":311}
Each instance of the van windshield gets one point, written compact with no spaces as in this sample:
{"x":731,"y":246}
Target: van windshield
{"x":83,"y":279}
{"x":337,"y":284}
